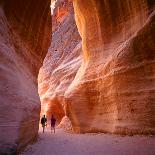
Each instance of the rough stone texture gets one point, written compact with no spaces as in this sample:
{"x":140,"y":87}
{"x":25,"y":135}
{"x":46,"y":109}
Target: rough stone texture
{"x":113,"y":90}
{"x":62,"y":61}
{"x":65,"y":124}
{"x":25,"y":28}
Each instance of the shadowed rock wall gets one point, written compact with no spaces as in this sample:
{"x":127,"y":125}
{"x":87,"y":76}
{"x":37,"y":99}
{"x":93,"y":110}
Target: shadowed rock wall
{"x":25,"y":28}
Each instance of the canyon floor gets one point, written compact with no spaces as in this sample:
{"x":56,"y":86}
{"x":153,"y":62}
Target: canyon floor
{"x":63,"y":143}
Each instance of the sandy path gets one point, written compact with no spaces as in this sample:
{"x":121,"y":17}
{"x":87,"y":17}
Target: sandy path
{"x":90,"y":144}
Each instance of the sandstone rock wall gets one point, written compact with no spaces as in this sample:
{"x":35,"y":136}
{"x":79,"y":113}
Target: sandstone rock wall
{"x":113,"y":90}
{"x":62,"y":61}
{"x":25,"y":28}
{"x":111,"y":86}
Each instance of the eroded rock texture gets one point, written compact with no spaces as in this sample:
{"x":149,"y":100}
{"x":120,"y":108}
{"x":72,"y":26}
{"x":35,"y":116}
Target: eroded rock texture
{"x":114,"y":88}
{"x":62,"y":61}
{"x":24,"y":40}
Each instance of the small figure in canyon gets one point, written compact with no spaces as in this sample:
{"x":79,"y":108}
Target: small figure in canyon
{"x":44,"y":122}
{"x":53,"y":121}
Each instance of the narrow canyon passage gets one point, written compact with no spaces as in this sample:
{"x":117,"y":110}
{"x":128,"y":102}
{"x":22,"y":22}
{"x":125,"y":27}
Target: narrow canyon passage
{"x":90,"y":144}
{"x":95,"y":64}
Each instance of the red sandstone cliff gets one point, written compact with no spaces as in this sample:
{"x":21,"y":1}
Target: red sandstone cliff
{"x":25,"y":28}
{"x":113,"y":90}
{"x":109,"y":88}
{"x":62,"y":60}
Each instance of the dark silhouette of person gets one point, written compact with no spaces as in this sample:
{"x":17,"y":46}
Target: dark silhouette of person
{"x":53,"y":121}
{"x":44,"y":122}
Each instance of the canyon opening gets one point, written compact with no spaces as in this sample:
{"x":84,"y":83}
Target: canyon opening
{"x":91,"y":64}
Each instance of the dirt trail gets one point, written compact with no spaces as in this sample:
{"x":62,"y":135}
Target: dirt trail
{"x":90,"y":144}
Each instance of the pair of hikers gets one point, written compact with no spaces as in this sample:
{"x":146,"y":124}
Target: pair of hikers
{"x":44,"y":123}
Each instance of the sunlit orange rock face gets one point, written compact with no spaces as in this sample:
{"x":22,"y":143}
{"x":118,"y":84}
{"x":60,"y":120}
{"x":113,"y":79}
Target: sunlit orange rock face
{"x":111,"y":88}
{"x":62,"y":61}
{"x":114,"y":89}
{"x":25,"y":28}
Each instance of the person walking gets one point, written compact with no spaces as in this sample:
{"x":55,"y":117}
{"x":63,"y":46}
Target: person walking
{"x":44,"y":122}
{"x":53,"y":121}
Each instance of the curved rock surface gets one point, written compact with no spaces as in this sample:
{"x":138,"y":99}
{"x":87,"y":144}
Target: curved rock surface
{"x":62,"y":60}
{"x":25,"y":28}
{"x":113,"y":89}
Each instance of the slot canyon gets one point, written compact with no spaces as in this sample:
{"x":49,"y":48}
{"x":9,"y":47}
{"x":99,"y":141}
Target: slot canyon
{"x":92,"y":61}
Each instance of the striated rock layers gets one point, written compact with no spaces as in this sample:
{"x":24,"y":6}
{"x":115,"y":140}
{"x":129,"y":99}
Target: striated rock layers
{"x":62,"y":61}
{"x":24,"y":40}
{"x":113,"y":89}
